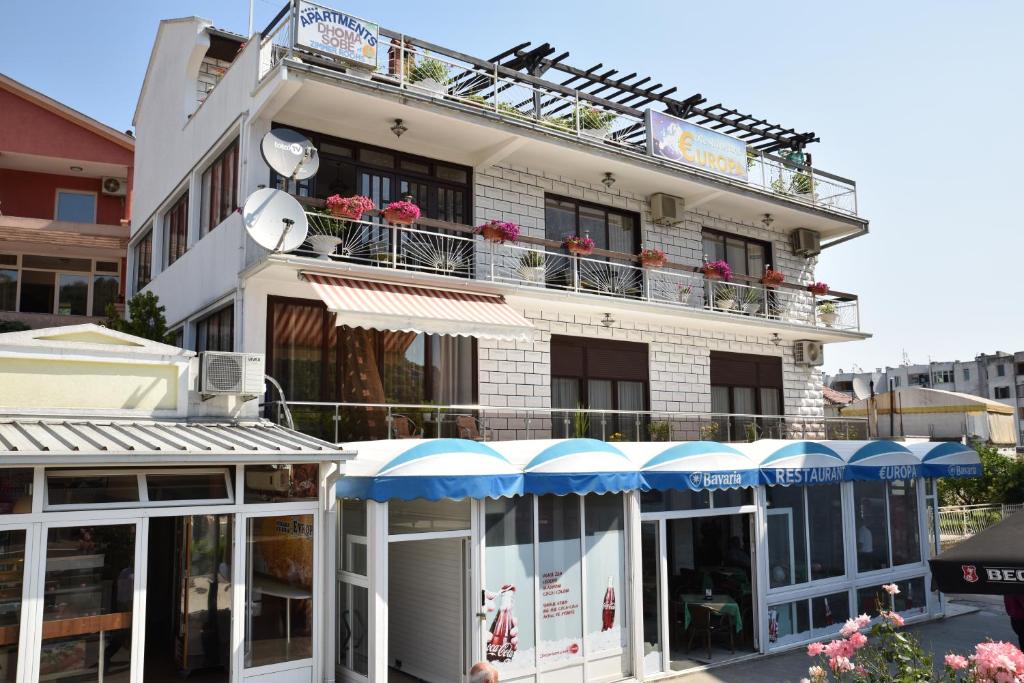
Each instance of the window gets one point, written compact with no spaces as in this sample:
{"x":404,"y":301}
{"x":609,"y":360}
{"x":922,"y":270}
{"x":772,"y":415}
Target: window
{"x":281,"y":483}
{"x":1001,"y":370}
{"x":216,"y":332}
{"x":58,"y":285}
{"x":220,"y":189}
{"x":76,"y":207}
{"x":967,"y":374}
{"x":424,"y":516}
{"x":84,"y":489}
{"x":15,"y":491}
{"x":105,"y":288}
{"x":887,"y":524}
{"x":1020,"y":368}
{"x":176,"y":230}
{"x":918,"y":379}
{"x":279,"y":593}
{"x":744,"y":386}
{"x":895,"y":381}
{"x":12,"y":559}
{"x":911,"y":598}
{"x":143,"y":261}
{"x":745,"y":256}
{"x":317,"y":361}
{"x":610,"y":228}
{"x":509,"y":576}
{"x":1001,"y":392}
{"x":559,"y":559}
{"x":942,"y":377}
{"x":599,"y":374}
{"x":802,"y":520}
{"x":8,"y":289}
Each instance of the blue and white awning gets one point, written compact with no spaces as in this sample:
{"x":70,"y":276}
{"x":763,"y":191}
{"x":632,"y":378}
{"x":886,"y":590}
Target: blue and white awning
{"x":429,"y":468}
{"x":876,"y":460}
{"x":693,"y":465}
{"x":802,"y":463}
{"x":563,"y":466}
{"x":947,"y":459}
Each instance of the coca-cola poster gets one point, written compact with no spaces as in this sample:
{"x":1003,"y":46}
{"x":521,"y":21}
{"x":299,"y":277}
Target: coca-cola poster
{"x":509,"y":596}
{"x":561,"y":595}
{"x":605,"y":597}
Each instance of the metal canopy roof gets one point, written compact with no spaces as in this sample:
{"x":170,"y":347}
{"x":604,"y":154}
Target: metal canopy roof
{"x":633,"y":91}
{"x":34,"y":440}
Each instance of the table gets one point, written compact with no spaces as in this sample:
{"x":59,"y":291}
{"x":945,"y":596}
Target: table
{"x":279,"y":589}
{"x":721,"y":604}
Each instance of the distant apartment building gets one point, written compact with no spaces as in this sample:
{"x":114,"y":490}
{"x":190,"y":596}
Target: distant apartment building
{"x":997,"y":376}
{"x":64,"y":210}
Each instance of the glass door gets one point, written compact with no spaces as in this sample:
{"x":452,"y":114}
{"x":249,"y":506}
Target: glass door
{"x":88,"y":603}
{"x":13,"y":547}
{"x":650,"y":581}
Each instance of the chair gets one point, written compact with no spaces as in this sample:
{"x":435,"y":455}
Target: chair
{"x":402,"y":427}
{"x":706,"y":622}
{"x":468,"y":427}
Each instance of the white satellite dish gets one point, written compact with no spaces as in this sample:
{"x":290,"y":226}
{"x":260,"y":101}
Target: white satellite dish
{"x":274,"y":220}
{"x":862,"y":389}
{"x":290,"y":154}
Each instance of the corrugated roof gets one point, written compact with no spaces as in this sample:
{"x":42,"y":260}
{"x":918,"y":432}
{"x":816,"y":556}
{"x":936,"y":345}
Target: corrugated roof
{"x":99,"y":441}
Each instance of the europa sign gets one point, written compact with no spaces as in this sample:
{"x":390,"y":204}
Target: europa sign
{"x":677,"y":140}
{"x":335,"y":33}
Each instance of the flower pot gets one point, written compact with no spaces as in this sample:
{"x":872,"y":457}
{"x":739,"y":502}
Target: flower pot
{"x":751,"y":309}
{"x":397,"y":218}
{"x":830,"y":319}
{"x":431,"y":86}
{"x":686,"y":297}
{"x":342,"y":212}
{"x":534,"y":274}
{"x":712,"y":275}
{"x":492,"y":234}
{"x":599,"y":133}
{"x":653,"y":263}
{"x":580,"y":251}
{"x":725,"y":304}
{"x":324,"y":245}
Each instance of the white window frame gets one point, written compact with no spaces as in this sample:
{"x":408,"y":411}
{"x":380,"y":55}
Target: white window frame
{"x":143,"y":489}
{"x":90,"y":275}
{"x":64,"y":190}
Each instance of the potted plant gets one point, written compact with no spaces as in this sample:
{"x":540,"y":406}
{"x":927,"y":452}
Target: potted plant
{"x":352,"y":208}
{"x":802,"y":183}
{"x":751,"y":300}
{"x":828,"y":314}
{"x":594,"y":122}
{"x":658,"y":431}
{"x":578,"y":246}
{"x":531,"y":266}
{"x":772,"y":278}
{"x":498,"y":231}
{"x":709,"y":432}
{"x":725,"y":298}
{"x":430,"y":74}
{"x":685,"y":291}
{"x":716,"y":270}
{"x":818,"y":288}
{"x":652,"y":258}
{"x":401,"y":212}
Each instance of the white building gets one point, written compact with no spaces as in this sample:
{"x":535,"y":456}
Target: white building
{"x":385,"y":336}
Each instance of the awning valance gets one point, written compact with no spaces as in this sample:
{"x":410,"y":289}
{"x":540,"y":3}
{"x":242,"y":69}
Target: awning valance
{"x":388,"y":306}
{"x":563,"y":466}
{"x":947,"y":459}
{"x":427,"y":468}
{"x":876,"y":460}
{"x":693,"y":465}
{"x":802,"y":463}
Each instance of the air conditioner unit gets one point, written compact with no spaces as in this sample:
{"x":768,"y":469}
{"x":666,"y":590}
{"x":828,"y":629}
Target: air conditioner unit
{"x":805,"y":242}
{"x":808,"y":352}
{"x":116,"y":187}
{"x":274,"y":480}
{"x":222,"y":373}
{"x":666,"y":209}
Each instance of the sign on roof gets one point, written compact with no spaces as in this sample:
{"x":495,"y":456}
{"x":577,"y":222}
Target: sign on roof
{"x":328,"y":31}
{"x":672,"y":138}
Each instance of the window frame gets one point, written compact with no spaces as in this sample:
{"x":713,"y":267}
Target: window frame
{"x":176,"y":218}
{"x":63,"y":190}
{"x":747,"y":241}
{"x":608,"y":211}
{"x":203,"y":333}
{"x":823,"y":585}
{"x":20,"y":268}
{"x":140,"y":475}
{"x":139,"y":273}
{"x":903,"y":569}
{"x":996,"y":391}
{"x":213,"y":210}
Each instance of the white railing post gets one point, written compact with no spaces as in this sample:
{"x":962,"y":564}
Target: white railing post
{"x":394,"y":246}
{"x":575,"y":272}
{"x":492,"y":260}
{"x":576,"y":111}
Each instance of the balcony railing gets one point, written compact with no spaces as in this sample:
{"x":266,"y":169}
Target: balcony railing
{"x":346,"y":422}
{"x":455,"y":252}
{"x":434,"y":71}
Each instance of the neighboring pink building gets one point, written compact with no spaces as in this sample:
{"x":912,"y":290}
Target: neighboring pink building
{"x":65,"y":205}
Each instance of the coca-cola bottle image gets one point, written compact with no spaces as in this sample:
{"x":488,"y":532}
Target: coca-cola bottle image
{"x":608,"y":607}
{"x":504,"y":640}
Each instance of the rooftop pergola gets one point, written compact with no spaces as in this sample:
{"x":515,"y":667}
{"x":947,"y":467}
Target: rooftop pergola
{"x":636,"y":92}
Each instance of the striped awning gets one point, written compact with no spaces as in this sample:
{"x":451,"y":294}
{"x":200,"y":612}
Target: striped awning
{"x":388,"y":306}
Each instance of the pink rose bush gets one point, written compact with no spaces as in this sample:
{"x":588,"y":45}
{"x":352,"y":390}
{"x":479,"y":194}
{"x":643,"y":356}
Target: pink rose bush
{"x":887,"y":655}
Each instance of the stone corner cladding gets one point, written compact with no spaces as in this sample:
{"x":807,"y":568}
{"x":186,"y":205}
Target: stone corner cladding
{"x":516,"y":194}
{"x":517,"y":374}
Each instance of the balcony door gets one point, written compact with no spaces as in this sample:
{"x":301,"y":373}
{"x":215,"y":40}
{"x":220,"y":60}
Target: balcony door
{"x":746,"y":396}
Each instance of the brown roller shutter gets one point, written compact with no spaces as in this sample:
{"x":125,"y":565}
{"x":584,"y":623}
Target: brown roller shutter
{"x":745,"y":370}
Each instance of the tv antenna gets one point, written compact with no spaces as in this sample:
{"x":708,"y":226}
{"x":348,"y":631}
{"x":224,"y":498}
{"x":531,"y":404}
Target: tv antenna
{"x":274,"y":220}
{"x":290,"y":154}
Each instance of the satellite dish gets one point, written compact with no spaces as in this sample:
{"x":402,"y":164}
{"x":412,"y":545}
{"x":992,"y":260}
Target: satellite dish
{"x":274,"y":220}
{"x":290,"y":154}
{"x":861,"y":388}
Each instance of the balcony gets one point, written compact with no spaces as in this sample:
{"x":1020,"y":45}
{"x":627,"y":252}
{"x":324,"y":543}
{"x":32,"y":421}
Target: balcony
{"x":348,"y":422}
{"x":542,"y":268}
{"x":600,"y":113}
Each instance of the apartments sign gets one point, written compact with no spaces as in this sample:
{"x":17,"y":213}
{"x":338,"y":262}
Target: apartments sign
{"x":672,"y":138}
{"x":334,"y":33}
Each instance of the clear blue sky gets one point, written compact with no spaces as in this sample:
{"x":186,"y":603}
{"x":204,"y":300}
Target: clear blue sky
{"x":919,"y":103}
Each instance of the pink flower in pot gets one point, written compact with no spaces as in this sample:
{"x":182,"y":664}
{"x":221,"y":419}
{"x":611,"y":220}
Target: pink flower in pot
{"x":652,"y":258}
{"x":717,"y":270}
{"x":580,"y":246}
{"x":352,"y":208}
{"x":401,"y":212}
{"x":498,"y":231}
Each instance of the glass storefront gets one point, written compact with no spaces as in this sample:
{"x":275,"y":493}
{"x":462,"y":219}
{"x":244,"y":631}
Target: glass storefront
{"x":12,"y":581}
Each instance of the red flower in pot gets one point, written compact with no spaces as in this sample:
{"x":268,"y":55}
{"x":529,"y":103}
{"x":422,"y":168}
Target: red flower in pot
{"x":580,"y":246}
{"x":352,"y":208}
{"x":498,"y":231}
{"x":716,"y":270}
{"x":401,"y":212}
{"x":772,"y":278}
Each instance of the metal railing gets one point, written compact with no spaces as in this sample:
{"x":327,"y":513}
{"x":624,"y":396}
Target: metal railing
{"x":431,"y":70}
{"x":346,"y":422}
{"x":957,"y":522}
{"x":398,"y":247}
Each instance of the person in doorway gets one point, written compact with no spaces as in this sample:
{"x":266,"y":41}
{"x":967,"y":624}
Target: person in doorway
{"x":483,"y":672}
{"x":1015,"y":610}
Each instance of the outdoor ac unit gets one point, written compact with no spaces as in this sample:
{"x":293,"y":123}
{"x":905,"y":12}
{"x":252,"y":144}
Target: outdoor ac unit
{"x":666,"y":209}
{"x":222,"y":373}
{"x":116,"y":187}
{"x":807,"y":352}
{"x":274,"y":480}
{"x":806,"y":243}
